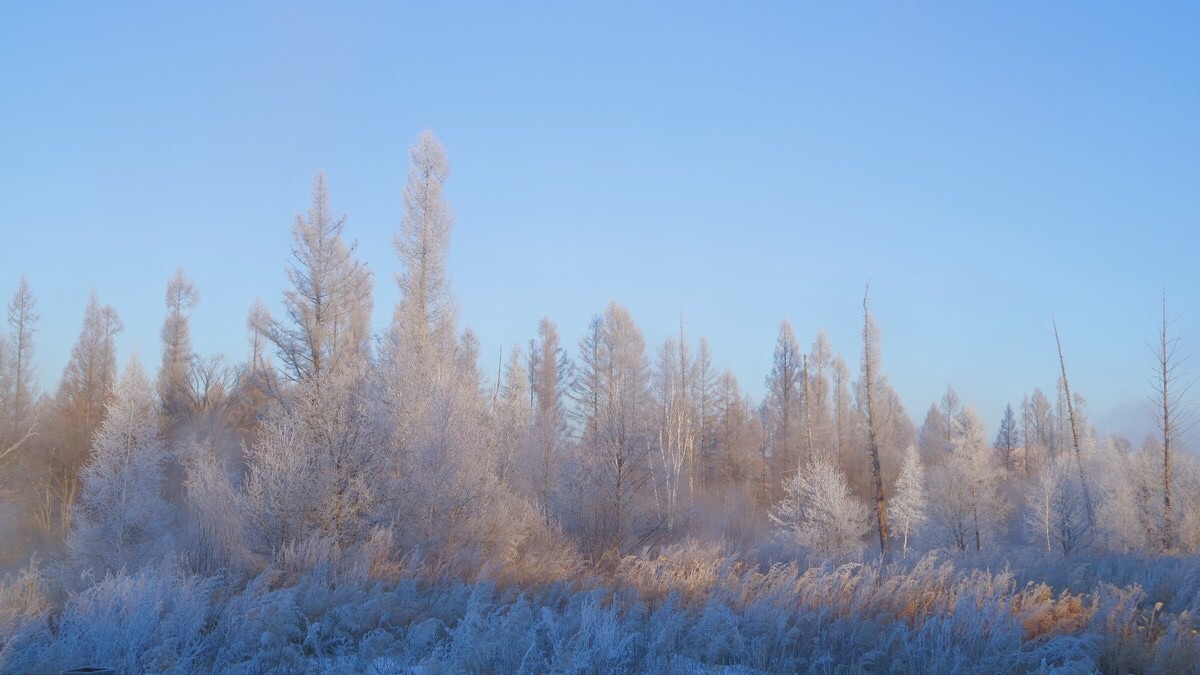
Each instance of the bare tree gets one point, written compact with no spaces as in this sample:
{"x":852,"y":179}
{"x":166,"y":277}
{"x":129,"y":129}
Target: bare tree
{"x":1087,"y":498}
{"x":1169,"y":391}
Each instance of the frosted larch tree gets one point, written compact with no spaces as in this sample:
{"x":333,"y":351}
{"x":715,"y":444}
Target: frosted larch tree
{"x":317,"y":465}
{"x":1056,"y":513}
{"x":676,"y":425}
{"x":1038,"y":422}
{"x":22,"y":324}
{"x":819,"y":513}
{"x":870,"y":375}
{"x":703,"y":385}
{"x":617,"y":432}
{"x":933,"y":436}
{"x":906,"y":512}
{"x":549,"y":375}
{"x":966,"y":498}
{"x":423,"y":322}
{"x":514,"y":417}
{"x":328,"y":306}
{"x":1007,"y":438}
{"x":122,"y":518}
{"x":820,"y":365}
{"x":79,"y":405}
{"x":173,"y":375}
{"x":783,"y":403}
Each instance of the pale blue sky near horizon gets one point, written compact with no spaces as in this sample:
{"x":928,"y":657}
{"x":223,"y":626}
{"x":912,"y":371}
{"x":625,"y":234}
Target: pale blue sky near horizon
{"x":985,"y":166}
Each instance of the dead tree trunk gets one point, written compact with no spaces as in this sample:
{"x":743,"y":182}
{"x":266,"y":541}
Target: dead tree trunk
{"x":1087,"y":497}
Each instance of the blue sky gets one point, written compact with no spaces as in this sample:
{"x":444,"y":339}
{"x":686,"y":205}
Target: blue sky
{"x":985,"y":166}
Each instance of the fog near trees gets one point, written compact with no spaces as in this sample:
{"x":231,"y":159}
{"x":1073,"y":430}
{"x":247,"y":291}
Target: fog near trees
{"x":337,"y":498}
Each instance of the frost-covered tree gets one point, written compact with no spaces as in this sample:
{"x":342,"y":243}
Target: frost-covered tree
{"x":1056,"y":515}
{"x":1037,"y":420}
{"x":966,"y":502}
{"x":22,"y":324}
{"x":702,"y":387}
{"x":1007,"y":438}
{"x":173,"y":375}
{"x":317,"y":468}
{"x":907,"y":508}
{"x":738,"y":439}
{"x":423,"y":322}
{"x":613,"y":404}
{"x":783,"y":404}
{"x":79,"y":404}
{"x":677,"y":426}
{"x":819,"y":513}
{"x":932,"y":440}
{"x":514,"y":417}
{"x":549,"y":373}
{"x":843,"y":409}
{"x":327,"y":309}
{"x":121,"y":518}
{"x":871,"y":405}
{"x":818,"y":402}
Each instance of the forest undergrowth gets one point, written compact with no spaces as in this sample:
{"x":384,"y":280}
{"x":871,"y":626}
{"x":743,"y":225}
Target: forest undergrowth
{"x":686,"y":608}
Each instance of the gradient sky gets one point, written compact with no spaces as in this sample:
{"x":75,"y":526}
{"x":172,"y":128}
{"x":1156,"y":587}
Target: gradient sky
{"x":985,"y":166}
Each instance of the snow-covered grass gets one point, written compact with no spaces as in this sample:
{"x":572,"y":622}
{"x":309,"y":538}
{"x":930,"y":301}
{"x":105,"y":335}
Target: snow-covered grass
{"x":686,"y":609}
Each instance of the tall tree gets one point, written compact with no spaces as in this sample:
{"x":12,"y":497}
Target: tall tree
{"x":1038,"y":422}
{"x":783,"y":402}
{"x":1075,"y":427}
{"x":933,"y":435}
{"x":549,"y":375}
{"x":177,"y":355}
{"x":907,"y":509}
{"x":424,"y":319}
{"x":676,"y":424}
{"x":738,"y":439}
{"x":820,"y":366}
{"x":79,"y":405}
{"x":22,"y":322}
{"x":328,"y":307}
{"x":613,"y":386}
{"x":1056,"y":514}
{"x":951,"y":407}
{"x":870,"y":365}
{"x":1168,"y":392}
{"x":703,"y":385}
{"x":514,"y":417}
{"x":842,"y":411}
{"x":1007,"y":437}
{"x":967,"y":500}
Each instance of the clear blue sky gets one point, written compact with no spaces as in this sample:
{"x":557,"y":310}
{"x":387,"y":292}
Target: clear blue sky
{"x":985,"y":166}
